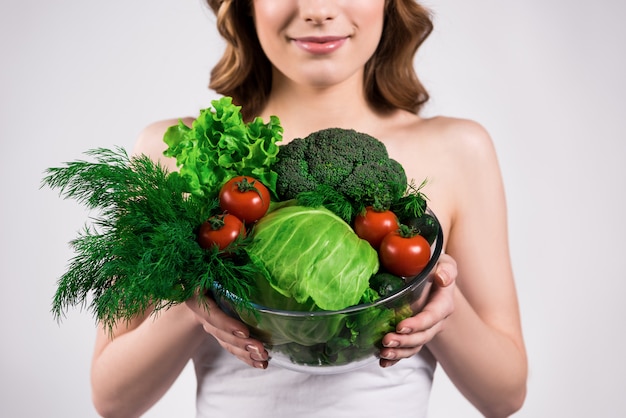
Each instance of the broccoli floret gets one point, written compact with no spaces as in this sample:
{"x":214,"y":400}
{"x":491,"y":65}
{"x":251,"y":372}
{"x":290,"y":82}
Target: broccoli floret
{"x":375,"y":183}
{"x":339,"y":167}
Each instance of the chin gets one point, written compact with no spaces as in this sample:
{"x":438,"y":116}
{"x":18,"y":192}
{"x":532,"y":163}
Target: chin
{"x":326,"y":78}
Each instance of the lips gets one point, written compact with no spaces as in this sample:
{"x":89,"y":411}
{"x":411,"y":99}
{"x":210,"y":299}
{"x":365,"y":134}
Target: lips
{"x":320,"y":44}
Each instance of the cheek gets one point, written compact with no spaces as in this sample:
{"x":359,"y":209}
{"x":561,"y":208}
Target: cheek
{"x":370,"y":18}
{"x":371,"y":11}
{"x":269,"y":17}
{"x":270,"y":13}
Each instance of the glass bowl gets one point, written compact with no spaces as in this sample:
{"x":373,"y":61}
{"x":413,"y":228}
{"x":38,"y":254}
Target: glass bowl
{"x":329,"y":342}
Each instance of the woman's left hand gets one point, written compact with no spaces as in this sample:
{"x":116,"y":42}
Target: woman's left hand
{"x":414,"y":332}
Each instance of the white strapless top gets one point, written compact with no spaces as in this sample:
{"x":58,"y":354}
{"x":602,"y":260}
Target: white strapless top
{"x":229,"y":388}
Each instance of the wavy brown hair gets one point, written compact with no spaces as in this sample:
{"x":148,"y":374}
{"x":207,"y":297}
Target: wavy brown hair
{"x":390,"y":81}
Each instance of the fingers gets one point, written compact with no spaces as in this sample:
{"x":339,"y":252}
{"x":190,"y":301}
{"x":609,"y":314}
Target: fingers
{"x":230,"y":333}
{"x":446,"y":271}
{"x":415,"y":332}
{"x":398,"y":346}
{"x":249,"y":351}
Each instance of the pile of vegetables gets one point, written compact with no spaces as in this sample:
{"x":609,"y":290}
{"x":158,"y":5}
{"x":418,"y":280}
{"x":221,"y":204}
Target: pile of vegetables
{"x":321,"y":223}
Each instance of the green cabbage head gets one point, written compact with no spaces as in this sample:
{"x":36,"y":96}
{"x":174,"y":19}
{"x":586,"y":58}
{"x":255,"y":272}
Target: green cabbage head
{"x":312,"y":256}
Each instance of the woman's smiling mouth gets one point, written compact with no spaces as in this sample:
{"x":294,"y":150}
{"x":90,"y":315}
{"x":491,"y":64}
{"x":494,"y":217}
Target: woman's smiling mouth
{"x":320,"y":44}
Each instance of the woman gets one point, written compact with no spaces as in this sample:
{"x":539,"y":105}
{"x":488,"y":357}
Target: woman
{"x":336,"y":63}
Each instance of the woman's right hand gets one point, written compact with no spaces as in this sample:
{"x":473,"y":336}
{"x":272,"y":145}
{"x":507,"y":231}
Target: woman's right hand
{"x":230,"y":333}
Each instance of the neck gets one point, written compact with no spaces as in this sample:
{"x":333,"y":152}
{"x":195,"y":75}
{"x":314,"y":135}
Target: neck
{"x":305,"y":109}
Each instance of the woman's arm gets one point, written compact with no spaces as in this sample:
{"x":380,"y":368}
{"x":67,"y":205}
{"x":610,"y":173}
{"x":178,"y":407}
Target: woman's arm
{"x":481,"y":347}
{"x":473,"y":326}
{"x":135,"y":363}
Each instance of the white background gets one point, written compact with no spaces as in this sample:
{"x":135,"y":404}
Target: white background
{"x":545,"y":77}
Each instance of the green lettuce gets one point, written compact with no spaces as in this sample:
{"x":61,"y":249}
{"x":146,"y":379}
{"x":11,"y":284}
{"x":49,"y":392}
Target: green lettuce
{"x":219,"y":145}
{"x":312,"y":256}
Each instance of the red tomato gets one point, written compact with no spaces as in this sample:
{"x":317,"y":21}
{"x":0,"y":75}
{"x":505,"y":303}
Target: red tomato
{"x":374,"y":225}
{"x":246,"y":198}
{"x":403,"y":255}
{"x":220,"y":230}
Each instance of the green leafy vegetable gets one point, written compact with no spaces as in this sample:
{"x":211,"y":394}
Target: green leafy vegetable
{"x":141,"y":251}
{"x":312,"y":253}
{"x":220,"y":145}
{"x":413,"y":204}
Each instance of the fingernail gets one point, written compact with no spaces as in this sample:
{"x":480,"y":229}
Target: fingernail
{"x":444,"y":278}
{"x":389,"y":356}
{"x":261,"y":365}
{"x":392,"y":344}
{"x":387,"y":363}
{"x":255,"y":353}
{"x":404,"y":330}
{"x":239,"y":334}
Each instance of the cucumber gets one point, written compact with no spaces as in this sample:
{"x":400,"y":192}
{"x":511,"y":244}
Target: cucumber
{"x":426,"y":225}
{"x":386,"y":283}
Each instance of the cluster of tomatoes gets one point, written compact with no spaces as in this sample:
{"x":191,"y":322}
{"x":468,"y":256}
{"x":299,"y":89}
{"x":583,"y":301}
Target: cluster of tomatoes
{"x":243,"y":201}
{"x":401,"y":250}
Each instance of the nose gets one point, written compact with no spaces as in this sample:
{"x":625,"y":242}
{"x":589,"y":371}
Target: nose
{"x":318,"y":11}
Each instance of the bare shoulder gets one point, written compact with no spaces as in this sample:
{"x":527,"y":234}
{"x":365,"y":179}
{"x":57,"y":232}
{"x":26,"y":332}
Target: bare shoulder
{"x":434,"y":143}
{"x":460,"y":150}
{"x":459,"y":138}
{"x":466,"y":148}
{"x":150,"y":140}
